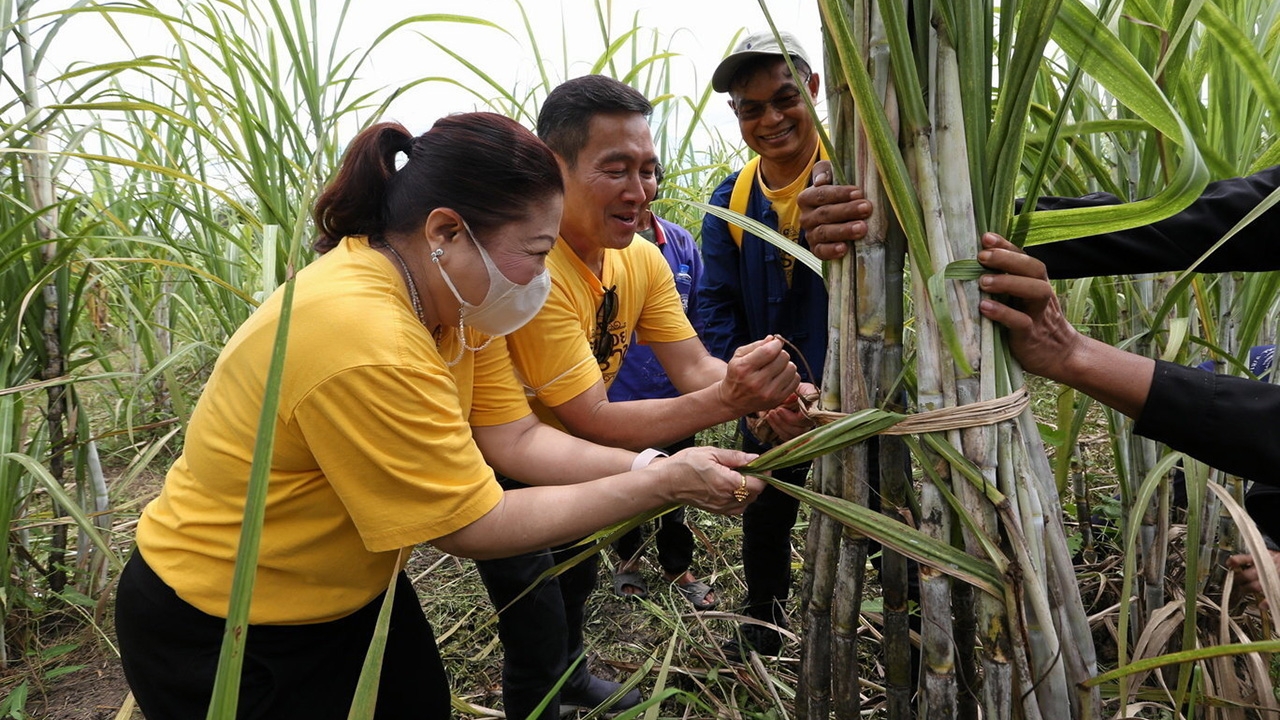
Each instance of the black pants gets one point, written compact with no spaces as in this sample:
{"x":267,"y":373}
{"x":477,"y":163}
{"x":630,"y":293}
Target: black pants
{"x":169,"y":651}
{"x":766,"y":547}
{"x":673,"y":538}
{"x":541,"y":633}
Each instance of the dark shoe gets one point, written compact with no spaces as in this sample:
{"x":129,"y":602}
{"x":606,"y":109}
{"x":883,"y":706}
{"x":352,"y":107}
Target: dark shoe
{"x":765,"y":641}
{"x":593,"y":694}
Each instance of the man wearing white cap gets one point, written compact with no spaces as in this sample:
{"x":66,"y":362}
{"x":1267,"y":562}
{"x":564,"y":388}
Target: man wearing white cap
{"x":752,"y":289}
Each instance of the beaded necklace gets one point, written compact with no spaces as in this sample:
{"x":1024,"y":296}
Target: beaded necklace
{"x":417,"y":307}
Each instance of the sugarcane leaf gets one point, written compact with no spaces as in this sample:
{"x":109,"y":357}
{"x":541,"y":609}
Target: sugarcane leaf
{"x":1180,"y":658}
{"x":965,"y":270}
{"x":998,"y":558}
{"x":226,"y":686}
{"x":1247,"y":59}
{"x":1268,"y":576}
{"x":901,"y":538}
{"x":1089,"y":42}
{"x":853,"y":428}
{"x":1004,"y":145}
{"x":1139,"y":504}
{"x":940,"y":298}
{"x":760,"y":230}
{"x":965,"y":467}
{"x":69,"y":504}
{"x":1178,"y":329}
{"x":837,"y":176}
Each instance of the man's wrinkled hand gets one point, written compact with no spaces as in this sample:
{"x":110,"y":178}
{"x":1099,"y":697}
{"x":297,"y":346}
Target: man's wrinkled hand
{"x":833,"y":216}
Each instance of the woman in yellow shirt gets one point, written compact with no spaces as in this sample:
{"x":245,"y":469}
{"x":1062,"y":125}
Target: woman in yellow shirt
{"x":398,"y":398}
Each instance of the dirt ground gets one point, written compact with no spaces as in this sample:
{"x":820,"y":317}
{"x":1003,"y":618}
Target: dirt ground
{"x":95,"y":692}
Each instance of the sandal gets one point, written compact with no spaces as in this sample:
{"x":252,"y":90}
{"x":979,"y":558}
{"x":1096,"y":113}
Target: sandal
{"x":696,"y":593}
{"x":633,"y":580}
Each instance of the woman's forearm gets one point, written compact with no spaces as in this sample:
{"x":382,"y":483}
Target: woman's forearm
{"x":534,"y":453}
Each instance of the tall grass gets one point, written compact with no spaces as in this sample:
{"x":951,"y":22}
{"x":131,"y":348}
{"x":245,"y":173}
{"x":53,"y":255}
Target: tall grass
{"x":147,"y":203}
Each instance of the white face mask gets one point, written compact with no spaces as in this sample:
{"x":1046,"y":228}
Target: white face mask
{"x":508,"y":305}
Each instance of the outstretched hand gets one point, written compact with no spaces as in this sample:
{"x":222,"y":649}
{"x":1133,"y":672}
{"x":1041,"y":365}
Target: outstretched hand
{"x":1045,"y":342}
{"x":1040,"y":336}
{"x":705,"y":477}
{"x":760,"y":376}
{"x":832,"y":215}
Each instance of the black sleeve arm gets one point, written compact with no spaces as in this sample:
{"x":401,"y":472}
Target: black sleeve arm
{"x":1227,"y":422}
{"x":1263,"y":504}
{"x":1175,"y":242}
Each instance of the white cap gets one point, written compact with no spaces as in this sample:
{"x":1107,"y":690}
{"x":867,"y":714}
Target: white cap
{"x":762,"y":43}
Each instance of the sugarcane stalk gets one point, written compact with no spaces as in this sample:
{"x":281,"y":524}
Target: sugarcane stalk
{"x":846,"y":700}
{"x":1084,"y":517}
{"x":38,"y":169}
{"x":937,"y":635}
{"x":813,"y":691}
{"x":851,"y":566}
{"x":958,"y":383}
{"x":822,"y":550}
{"x":880,"y":336}
{"x":813,"y":696}
{"x":1079,"y":655}
{"x":966,"y":633}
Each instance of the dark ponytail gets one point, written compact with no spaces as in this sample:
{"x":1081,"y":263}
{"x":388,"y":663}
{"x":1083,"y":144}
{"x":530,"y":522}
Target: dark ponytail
{"x":485,"y":166}
{"x":354,"y":203}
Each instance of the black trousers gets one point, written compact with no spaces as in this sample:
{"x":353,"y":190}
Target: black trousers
{"x":541,"y":632}
{"x":169,"y":651}
{"x":673,"y":538}
{"x":766,"y":547}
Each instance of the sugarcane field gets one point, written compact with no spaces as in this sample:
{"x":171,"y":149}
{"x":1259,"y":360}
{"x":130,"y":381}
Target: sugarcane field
{"x":726,"y":360}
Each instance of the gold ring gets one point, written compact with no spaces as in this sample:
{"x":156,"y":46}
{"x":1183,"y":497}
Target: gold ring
{"x":741,"y":493}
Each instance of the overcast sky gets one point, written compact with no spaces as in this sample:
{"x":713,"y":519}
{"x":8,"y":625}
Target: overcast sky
{"x":698,"y":31}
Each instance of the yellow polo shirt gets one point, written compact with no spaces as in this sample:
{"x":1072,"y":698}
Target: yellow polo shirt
{"x":552,"y":353}
{"x":373,"y":449}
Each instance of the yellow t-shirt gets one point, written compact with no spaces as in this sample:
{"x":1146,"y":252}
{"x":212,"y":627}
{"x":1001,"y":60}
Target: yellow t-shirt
{"x":786,"y":204}
{"x":552,"y":353}
{"x":373,"y":449}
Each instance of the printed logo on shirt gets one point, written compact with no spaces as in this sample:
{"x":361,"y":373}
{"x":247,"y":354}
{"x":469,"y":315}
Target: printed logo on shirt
{"x":621,"y":338}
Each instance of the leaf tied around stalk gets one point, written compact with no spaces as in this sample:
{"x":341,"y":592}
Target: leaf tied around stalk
{"x":836,"y":430}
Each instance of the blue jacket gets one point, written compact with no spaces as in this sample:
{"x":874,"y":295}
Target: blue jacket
{"x":641,"y":376}
{"x":744,"y":293}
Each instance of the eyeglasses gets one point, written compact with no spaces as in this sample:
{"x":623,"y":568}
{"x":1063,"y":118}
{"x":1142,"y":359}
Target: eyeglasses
{"x":602,"y":345}
{"x":754,"y":109}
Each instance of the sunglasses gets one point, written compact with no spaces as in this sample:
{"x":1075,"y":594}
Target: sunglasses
{"x":602,"y":345}
{"x":749,"y":110}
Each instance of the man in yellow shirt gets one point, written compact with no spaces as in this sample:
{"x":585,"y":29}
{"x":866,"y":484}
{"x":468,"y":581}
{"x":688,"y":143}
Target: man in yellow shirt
{"x":604,"y":288}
